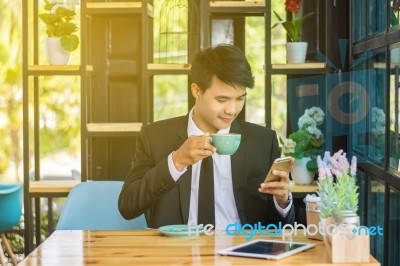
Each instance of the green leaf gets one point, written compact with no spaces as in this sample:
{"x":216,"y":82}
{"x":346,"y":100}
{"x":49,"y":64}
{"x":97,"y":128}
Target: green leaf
{"x":293,"y":28}
{"x":49,"y":19}
{"x":49,"y":6}
{"x":70,"y":43}
{"x":65,"y":12}
{"x":276,"y":14}
{"x":67,"y":28}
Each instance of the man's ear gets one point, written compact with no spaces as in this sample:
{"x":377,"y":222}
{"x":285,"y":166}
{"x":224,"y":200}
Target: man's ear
{"x":196,"y":91}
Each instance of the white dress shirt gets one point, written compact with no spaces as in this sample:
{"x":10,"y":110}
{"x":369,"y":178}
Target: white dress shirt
{"x":225,"y":206}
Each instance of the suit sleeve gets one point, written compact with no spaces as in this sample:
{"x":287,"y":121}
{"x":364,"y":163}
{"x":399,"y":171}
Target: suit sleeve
{"x":146,"y":182}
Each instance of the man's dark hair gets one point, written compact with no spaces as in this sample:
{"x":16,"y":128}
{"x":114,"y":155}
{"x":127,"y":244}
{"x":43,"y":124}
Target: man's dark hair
{"x":227,"y":62}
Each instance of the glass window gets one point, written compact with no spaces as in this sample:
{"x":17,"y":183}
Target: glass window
{"x":394,"y":107}
{"x":222,"y":31}
{"x":394,"y":11}
{"x":255,"y":52}
{"x":394,"y":228}
{"x":170,"y":96}
{"x":361,"y":198}
{"x":376,"y":16}
{"x":358,"y":22}
{"x":279,"y":105}
{"x":59,"y":127}
{"x":376,"y":214}
{"x":376,"y":112}
{"x":360,"y":98}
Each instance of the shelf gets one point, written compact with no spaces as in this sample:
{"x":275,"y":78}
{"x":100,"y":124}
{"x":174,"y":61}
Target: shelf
{"x":117,"y":7}
{"x":168,"y":69}
{"x":44,"y":187}
{"x":239,"y":7}
{"x":113,"y":129}
{"x":305,"y":68}
{"x":383,"y":66}
{"x":50,"y":70}
{"x":311,"y":188}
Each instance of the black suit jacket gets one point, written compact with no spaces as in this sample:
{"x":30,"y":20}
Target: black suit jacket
{"x":149,"y":187}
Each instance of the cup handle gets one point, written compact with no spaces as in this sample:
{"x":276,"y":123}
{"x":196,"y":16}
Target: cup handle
{"x":210,"y":138}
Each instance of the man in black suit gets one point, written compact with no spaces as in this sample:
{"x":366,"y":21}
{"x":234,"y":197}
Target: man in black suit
{"x":165,"y":181}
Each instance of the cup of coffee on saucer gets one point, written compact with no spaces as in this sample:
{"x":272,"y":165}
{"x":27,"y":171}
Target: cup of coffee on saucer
{"x":225,"y":143}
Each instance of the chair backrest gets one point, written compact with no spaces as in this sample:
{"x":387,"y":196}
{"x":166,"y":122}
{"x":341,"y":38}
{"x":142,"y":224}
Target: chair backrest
{"x":10,"y":205}
{"x":93,"y":205}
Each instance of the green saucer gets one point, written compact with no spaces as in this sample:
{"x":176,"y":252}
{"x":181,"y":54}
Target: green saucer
{"x":180,"y":230}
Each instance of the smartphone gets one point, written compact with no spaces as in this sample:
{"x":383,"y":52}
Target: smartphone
{"x":279,"y":164}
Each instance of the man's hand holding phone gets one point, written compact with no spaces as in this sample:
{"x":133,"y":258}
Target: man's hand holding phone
{"x":277,"y":180}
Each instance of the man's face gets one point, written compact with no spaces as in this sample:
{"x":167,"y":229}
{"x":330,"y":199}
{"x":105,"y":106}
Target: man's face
{"x":218,"y":106}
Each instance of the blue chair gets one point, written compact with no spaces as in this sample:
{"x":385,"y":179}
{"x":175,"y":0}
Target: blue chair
{"x":10,"y":215}
{"x":93,"y":205}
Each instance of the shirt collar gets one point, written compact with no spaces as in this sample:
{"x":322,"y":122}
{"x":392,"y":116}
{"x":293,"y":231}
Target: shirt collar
{"x":193,"y":130}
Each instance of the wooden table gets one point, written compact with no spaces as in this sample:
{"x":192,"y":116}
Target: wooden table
{"x":149,"y":247}
{"x":42,"y":189}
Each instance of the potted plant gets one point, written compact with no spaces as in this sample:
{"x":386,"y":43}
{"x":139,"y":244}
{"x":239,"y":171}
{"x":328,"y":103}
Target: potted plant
{"x":296,"y":50}
{"x":337,"y":189}
{"x":61,"y":28}
{"x":305,"y":145}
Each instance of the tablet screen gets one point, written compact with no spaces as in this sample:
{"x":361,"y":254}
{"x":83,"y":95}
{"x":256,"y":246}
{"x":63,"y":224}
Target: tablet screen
{"x":267,"y":249}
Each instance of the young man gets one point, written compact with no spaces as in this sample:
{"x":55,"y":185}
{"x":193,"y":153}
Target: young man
{"x":165,"y":182}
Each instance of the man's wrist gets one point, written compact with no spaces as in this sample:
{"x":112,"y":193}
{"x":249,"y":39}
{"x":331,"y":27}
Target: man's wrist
{"x":284,"y":204}
{"x":177,"y":165}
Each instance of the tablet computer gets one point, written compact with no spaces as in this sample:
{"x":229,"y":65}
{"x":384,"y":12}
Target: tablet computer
{"x":266,"y":249}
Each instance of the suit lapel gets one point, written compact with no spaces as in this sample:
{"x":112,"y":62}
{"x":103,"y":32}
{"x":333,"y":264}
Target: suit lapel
{"x":185,"y":181}
{"x":238,"y":161}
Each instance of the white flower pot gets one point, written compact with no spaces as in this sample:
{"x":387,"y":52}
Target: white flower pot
{"x":300,"y":174}
{"x":296,"y":52}
{"x":56,"y":54}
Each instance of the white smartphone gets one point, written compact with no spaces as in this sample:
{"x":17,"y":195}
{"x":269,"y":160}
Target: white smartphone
{"x":280,"y":164}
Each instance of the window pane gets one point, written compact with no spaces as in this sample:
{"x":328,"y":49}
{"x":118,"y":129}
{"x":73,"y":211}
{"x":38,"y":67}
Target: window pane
{"x":59,"y":123}
{"x":222,"y":31}
{"x":360,"y":99}
{"x":279,"y":105}
{"x":376,"y":114}
{"x":255,"y":52}
{"x":394,"y":106}
{"x":394,"y":11}
{"x":394,"y":228}
{"x":170,"y":96}
{"x":358,"y":22}
{"x":377,"y":16}
{"x":376,"y":201}
{"x":361,"y":198}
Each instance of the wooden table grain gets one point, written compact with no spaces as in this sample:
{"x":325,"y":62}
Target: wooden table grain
{"x":149,"y":247}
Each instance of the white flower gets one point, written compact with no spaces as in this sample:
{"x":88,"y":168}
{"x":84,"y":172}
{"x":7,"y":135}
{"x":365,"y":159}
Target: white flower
{"x":306,"y":121}
{"x":311,"y":117}
{"x":314,"y":131}
{"x":288,"y":146}
{"x":317,"y":114}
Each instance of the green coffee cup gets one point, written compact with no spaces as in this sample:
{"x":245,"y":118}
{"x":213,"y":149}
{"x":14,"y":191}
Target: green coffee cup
{"x":226,"y":143}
